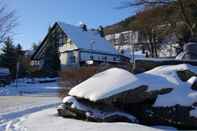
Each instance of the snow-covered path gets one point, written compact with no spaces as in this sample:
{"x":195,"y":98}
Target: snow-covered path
{"x":48,"y":120}
{"x":15,"y":103}
{"x":13,"y":107}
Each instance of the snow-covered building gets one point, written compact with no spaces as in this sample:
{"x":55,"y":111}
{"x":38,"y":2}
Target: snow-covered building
{"x":125,"y":40}
{"x":129,"y":41}
{"x":77,"y":46}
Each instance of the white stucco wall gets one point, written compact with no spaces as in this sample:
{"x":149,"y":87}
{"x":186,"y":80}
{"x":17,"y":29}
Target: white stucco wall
{"x":65,"y":58}
{"x":68,"y":46}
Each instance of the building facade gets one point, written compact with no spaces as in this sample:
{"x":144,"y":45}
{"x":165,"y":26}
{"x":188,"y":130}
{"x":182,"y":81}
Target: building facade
{"x":77,"y":47}
{"x":135,"y":41}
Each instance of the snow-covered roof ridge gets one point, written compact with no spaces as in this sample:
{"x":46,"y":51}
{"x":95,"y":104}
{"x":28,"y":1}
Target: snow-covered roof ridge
{"x":87,"y":39}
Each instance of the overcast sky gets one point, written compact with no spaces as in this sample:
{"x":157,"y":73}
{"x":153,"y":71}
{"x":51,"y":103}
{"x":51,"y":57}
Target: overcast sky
{"x":35,"y":16}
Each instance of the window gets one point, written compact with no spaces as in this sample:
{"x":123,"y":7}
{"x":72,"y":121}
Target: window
{"x":104,"y":58}
{"x":61,"y":39}
{"x":72,"y":59}
{"x":91,"y":57}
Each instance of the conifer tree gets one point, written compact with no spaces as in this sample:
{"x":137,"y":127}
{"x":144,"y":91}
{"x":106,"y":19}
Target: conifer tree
{"x":9,"y":56}
{"x":34,"y":46}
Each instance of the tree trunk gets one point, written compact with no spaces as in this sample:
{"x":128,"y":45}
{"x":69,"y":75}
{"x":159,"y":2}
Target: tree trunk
{"x":185,"y":17}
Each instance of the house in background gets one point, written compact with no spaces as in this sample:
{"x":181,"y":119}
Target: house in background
{"x":78,"y":46}
{"x":128,"y":41}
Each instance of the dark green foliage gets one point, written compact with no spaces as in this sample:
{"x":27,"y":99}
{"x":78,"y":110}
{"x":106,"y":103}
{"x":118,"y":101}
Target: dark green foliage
{"x":12,"y":55}
{"x":9,"y":56}
{"x":34,"y":46}
{"x":19,"y":51}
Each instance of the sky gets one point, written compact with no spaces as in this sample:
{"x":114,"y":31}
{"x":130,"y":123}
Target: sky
{"x":35,"y":16}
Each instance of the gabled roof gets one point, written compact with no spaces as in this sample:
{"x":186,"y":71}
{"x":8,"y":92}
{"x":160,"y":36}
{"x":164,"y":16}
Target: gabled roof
{"x":87,"y":39}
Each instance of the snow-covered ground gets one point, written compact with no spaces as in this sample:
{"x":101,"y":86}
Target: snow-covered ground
{"x":29,"y":86}
{"x":12,"y":107}
{"x":26,"y":97}
{"x":47,"y":120}
{"x":34,"y":115}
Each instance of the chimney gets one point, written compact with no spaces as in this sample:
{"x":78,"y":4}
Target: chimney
{"x":83,"y":26}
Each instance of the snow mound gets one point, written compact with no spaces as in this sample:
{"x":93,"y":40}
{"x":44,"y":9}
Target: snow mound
{"x":192,"y":80}
{"x":115,"y":80}
{"x":182,"y":94}
{"x":104,"y":84}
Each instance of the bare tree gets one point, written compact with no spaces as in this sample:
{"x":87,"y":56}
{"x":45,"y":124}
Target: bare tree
{"x":183,"y":7}
{"x":7,"y":21}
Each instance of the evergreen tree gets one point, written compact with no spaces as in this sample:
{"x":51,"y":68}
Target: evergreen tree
{"x":34,"y":46}
{"x":8,"y":56}
{"x":19,"y":51}
{"x":20,"y":56}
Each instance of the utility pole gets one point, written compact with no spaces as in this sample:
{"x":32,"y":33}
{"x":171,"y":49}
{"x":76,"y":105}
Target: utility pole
{"x":17,"y":71}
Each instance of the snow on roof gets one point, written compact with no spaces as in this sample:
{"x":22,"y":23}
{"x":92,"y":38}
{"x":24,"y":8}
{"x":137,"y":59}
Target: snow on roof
{"x":87,"y":39}
{"x":115,"y":80}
